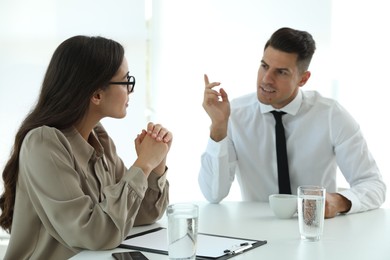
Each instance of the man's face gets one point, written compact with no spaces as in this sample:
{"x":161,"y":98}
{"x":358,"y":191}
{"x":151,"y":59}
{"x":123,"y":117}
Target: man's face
{"x":278,"y":78}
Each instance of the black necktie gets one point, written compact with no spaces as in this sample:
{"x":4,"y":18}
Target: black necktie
{"x":281,"y":152}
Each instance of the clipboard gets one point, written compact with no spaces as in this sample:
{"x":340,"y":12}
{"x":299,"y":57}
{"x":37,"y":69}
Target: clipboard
{"x":209,"y":246}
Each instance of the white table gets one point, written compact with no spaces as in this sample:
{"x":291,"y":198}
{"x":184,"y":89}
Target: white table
{"x":356,"y":236}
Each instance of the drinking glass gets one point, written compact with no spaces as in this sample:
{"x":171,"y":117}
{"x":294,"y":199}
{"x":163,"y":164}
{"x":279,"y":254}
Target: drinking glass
{"x":182,"y":230}
{"x":311,"y":212}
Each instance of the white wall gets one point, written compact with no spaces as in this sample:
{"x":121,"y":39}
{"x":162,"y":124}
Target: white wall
{"x":359,"y":61}
{"x":223,"y":38}
{"x":29,"y":33}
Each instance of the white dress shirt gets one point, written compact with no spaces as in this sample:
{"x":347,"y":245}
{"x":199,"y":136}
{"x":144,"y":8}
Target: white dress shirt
{"x":320,"y":135}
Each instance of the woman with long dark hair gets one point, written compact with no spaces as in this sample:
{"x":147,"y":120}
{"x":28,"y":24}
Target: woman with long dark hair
{"x":65,"y":188}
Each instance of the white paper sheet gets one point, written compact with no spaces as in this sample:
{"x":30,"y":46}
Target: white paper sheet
{"x":208,"y":245}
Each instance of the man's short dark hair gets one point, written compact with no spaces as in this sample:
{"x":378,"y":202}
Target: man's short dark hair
{"x":294,"y":41}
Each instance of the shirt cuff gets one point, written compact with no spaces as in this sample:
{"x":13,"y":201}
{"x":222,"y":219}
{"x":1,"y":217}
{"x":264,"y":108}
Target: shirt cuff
{"x":217,"y":149}
{"x":136,"y":178}
{"x":355,"y":203}
{"x":157,"y":182}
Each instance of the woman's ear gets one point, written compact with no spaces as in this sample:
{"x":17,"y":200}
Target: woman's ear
{"x":96,"y":97}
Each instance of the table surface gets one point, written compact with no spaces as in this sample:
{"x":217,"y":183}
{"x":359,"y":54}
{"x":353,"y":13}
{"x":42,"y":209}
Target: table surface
{"x":355,"y":236}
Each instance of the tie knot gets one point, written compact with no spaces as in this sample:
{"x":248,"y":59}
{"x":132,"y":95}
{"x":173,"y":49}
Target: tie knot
{"x":278,"y":115}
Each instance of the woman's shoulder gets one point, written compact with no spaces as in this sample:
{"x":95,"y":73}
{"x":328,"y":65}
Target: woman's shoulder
{"x":42,"y":132}
{"x":45,"y":136}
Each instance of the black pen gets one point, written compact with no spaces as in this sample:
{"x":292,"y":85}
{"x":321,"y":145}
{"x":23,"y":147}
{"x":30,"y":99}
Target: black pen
{"x":242,"y":248}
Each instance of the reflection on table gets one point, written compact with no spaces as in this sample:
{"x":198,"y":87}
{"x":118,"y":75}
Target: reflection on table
{"x":356,"y":236}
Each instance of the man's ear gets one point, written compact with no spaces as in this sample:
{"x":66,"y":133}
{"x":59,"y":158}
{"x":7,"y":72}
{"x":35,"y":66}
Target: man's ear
{"x":305,"y":77}
{"x":96,"y":97}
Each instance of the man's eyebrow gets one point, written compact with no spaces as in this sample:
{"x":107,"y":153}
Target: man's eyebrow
{"x":280,"y":69}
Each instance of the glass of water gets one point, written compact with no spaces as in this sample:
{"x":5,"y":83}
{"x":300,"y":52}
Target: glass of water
{"x":311,"y":212}
{"x":182,"y":230}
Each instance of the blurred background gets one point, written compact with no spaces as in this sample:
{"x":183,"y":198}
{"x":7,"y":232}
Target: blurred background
{"x":170,"y":44}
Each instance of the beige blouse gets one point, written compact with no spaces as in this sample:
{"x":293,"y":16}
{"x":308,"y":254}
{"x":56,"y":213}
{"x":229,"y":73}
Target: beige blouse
{"x":73,"y":195}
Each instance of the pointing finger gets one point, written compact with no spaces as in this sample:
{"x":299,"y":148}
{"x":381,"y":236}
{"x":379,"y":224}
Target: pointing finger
{"x":209,"y":85}
{"x":206,"y":80}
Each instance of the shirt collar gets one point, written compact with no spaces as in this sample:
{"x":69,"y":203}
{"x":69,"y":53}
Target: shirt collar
{"x":291,"y":108}
{"x":81,"y":149}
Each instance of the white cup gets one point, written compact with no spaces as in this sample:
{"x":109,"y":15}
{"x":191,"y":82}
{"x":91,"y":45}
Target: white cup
{"x":182,"y":230}
{"x":283,"y":205}
{"x":311,"y":212}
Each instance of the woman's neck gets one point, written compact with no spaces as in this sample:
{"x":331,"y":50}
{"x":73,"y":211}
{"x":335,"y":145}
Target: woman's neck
{"x":85,"y":126}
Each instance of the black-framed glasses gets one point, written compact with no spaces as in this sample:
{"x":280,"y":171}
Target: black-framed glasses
{"x":130,"y":83}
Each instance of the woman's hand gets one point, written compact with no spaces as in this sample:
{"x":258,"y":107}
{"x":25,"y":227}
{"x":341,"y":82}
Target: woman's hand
{"x":152,"y":146}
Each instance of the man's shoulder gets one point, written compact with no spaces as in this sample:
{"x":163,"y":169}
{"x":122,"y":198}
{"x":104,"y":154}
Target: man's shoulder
{"x":313,"y":97}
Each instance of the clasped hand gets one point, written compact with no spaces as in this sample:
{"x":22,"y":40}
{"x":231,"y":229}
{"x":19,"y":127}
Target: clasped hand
{"x":152,"y":146}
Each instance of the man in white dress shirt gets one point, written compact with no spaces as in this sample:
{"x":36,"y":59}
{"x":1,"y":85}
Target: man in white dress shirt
{"x":320,"y":135}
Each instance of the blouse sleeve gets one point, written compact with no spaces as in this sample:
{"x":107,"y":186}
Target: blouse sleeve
{"x":155,"y":201}
{"x":155,"y":194}
{"x":49,"y":175}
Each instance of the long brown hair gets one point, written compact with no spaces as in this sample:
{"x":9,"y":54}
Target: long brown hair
{"x":79,"y":66}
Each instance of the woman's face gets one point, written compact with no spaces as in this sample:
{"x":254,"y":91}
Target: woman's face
{"x":116,"y":97}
